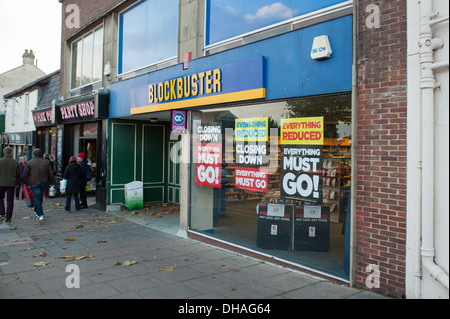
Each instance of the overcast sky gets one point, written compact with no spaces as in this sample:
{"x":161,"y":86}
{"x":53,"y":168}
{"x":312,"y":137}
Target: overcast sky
{"x":33,"y":25}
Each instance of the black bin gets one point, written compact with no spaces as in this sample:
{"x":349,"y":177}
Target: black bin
{"x":312,"y":234}
{"x":274,"y":232}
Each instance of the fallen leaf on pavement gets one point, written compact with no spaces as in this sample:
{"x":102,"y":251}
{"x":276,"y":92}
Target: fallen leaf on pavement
{"x":72,"y":258}
{"x":69,"y":239}
{"x":166,"y":268}
{"x":41,"y":264}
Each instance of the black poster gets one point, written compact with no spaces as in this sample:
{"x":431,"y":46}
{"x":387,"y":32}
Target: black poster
{"x":301,"y":171}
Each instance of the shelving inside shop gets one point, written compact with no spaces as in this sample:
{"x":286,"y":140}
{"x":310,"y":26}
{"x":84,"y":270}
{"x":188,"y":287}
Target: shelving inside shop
{"x":336,"y":175}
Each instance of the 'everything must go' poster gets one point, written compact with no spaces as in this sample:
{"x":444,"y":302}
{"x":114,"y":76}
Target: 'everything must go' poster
{"x":302,"y":158}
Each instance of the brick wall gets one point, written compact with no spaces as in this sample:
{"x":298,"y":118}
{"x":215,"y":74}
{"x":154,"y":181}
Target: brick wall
{"x":90,"y":13}
{"x":381,"y":147}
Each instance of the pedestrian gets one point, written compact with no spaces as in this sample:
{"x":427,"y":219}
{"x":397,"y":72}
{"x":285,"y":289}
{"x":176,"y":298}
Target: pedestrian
{"x":47,"y":157}
{"x":38,"y":175}
{"x":22,"y":163}
{"x":84,"y":167}
{"x":9,"y":179}
{"x":74,"y":181}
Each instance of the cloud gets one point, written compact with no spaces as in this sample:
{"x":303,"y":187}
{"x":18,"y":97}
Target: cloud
{"x":276,"y":11}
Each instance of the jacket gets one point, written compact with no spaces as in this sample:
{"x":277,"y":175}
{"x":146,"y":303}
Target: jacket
{"x":39,"y":171}
{"x":74,"y":178}
{"x":9,"y":171}
{"x":83,"y":165}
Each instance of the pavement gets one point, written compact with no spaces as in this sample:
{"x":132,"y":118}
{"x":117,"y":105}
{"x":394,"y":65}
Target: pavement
{"x":90,"y":254}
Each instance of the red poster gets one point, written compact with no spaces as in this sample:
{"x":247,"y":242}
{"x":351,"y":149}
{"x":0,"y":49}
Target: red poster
{"x":209,"y":162}
{"x":251,"y":179}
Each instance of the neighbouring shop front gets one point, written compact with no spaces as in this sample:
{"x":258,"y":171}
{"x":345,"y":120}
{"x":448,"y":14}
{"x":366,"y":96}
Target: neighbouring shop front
{"x":81,"y":124}
{"x":269,"y":129}
{"x":46,"y":129}
{"x":20,"y":142}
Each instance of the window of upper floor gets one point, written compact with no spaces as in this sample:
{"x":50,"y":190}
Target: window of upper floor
{"x":26,"y":108}
{"x":148,"y":34}
{"x":245,"y":16}
{"x":87,"y":59}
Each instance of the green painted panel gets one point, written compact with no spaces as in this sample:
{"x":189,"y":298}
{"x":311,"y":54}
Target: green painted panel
{"x":153,"y":194}
{"x":123,"y":153}
{"x":153,"y":148}
{"x":118,"y":196}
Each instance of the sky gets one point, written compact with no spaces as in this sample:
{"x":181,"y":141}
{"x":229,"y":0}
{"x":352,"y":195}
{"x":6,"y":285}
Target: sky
{"x":33,"y":25}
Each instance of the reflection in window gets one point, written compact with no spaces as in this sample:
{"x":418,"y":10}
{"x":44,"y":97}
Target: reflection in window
{"x":148,"y":34}
{"x":87,"y":59}
{"x":232,"y":197}
{"x":241,"y":16}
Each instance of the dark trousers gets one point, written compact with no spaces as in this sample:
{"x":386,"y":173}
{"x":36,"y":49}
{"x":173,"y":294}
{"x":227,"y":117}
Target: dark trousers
{"x":83,"y":196}
{"x":18,"y":188}
{"x":9,"y":191}
{"x":69,"y":198}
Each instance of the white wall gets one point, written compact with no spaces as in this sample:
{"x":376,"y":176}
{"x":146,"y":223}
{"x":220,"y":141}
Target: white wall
{"x":419,"y":282}
{"x":19,"y":118}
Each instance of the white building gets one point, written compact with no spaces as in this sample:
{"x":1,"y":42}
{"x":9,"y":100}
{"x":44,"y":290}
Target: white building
{"x":19,"y":123}
{"x":20,"y":76}
{"x":428,"y":150}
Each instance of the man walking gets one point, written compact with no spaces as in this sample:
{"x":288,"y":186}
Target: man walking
{"x":40,"y":173}
{"x":9,"y":179}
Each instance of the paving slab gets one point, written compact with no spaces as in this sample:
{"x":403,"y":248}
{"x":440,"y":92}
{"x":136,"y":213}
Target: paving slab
{"x":166,"y":266}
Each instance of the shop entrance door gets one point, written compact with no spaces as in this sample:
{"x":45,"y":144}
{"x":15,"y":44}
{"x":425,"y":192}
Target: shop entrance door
{"x":89,"y":148}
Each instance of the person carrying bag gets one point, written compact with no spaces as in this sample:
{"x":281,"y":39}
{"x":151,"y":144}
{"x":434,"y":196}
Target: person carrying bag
{"x":73,"y":175}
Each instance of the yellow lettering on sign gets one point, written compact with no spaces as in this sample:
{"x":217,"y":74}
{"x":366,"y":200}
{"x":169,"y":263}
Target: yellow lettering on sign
{"x":194,"y":85}
{"x":203,"y":83}
{"x":187,"y":86}
{"x":217,"y":78}
{"x":150,"y":94}
{"x":179,"y":88}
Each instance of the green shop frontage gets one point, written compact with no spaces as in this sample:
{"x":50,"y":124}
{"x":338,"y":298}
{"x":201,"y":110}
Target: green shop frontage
{"x":253,"y":143}
{"x":139,"y":151}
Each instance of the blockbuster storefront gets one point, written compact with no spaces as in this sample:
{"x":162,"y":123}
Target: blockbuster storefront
{"x":269,"y":129}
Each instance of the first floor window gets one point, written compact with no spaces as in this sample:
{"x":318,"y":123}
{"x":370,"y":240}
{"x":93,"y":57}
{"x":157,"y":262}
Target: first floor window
{"x":87,"y":59}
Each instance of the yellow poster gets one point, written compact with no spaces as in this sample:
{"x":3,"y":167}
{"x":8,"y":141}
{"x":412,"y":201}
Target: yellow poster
{"x":302,"y":131}
{"x":252,"y":130}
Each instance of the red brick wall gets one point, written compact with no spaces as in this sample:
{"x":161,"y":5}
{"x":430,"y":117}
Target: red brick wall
{"x":381,"y":147}
{"x":90,"y":13}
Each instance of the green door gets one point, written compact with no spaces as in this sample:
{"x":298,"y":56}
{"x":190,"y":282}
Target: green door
{"x":153,"y":160}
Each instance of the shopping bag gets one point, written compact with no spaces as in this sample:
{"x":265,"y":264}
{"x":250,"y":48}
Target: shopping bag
{"x":62,"y":186}
{"x":28,"y":195}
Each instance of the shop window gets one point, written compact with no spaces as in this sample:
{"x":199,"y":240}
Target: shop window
{"x":87,"y":59}
{"x":275,"y":177}
{"x":148,"y":34}
{"x":242,"y":16}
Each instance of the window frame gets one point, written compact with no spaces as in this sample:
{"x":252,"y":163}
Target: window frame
{"x":81,"y":38}
{"x":292,"y":21}
{"x":120,"y":72}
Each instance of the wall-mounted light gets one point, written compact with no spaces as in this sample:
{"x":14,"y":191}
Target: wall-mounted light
{"x":153,"y":120}
{"x":107,"y":71}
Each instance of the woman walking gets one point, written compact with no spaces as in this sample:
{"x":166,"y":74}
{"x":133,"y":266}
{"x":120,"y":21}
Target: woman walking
{"x":74,"y":180}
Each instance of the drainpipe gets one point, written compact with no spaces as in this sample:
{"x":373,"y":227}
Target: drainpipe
{"x":428,"y":45}
{"x":354,"y":142}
